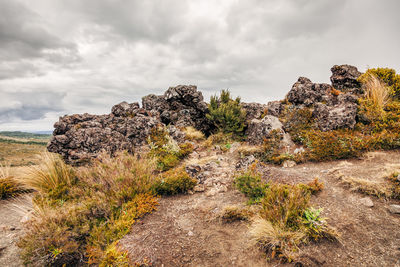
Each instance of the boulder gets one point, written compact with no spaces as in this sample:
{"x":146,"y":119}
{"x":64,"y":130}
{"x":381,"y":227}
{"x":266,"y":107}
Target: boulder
{"x":274,"y":108}
{"x":304,"y":92}
{"x":260,"y":129}
{"x":329,"y":118}
{"x":345,"y":77}
{"x":253,"y":110}
{"x":181,"y":106}
{"x":394,"y":209}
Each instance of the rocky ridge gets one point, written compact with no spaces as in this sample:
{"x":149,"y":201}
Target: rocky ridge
{"x":80,"y":137}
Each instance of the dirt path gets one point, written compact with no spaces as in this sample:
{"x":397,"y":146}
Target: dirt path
{"x":185,"y":231}
{"x":11,"y":213}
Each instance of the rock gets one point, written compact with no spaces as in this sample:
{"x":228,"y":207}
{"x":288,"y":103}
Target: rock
{"x":124,"y":109}
{"x":190,"y":233}
{"x":345,"y":77}
{"x":366,"y":201}
{"x":181,"y":106}
{"x":304,"y":92}
{"x":212,"y":192}
{"x":330,"y":118}
{"x":199,"y":188}
{"x":260,"y":129}
{"x":289,"y":164}
{"x":245,"y":162}
{"x":193,"y":170}
{"x":299,"y":150}
{"x":394,"y":209}
{"x":253,"y":110}
{"x":274,"y":108}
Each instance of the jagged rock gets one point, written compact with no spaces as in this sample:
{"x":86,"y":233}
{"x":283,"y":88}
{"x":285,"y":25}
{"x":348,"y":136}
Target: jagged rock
{"x":274,"y":108}
{"x":307,"y":93}
{"x":124,"y":109}
{"x":345,"y":77}
{"x":253,"y":110}
{"x":260,"y":129}
{"x":333,"y":117}
{"x":180,"y":106}
{"x":193,"y":170}
{"x":245,"y":162}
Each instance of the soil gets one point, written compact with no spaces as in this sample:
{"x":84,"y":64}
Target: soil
{"x":12,"y":211}
{"x":186,"y":230}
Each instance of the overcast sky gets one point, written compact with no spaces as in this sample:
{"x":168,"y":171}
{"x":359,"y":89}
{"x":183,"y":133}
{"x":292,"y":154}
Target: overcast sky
{"x":74,"y":56}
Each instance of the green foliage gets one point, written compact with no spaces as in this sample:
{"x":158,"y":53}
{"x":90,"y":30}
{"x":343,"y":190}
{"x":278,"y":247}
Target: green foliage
{"x":386,"y":75}
{"x":316,"y":226}
{"x":227,"y":114}
{"x":174,"y":182}
{"x":251,"y":185}
{"x":166,"y":149}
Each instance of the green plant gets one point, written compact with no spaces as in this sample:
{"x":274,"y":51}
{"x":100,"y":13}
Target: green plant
{"x":227,"y":114}
{"x":316,"y":226}
{"x":250,"y":184}
{"x":174,"y":181}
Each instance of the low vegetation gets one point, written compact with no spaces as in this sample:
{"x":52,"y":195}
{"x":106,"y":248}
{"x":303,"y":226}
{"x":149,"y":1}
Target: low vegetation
{"x":9,"y":186}
{"x":80,"y":214}
{"x":251,"y":185}
{"x":227,"y":114}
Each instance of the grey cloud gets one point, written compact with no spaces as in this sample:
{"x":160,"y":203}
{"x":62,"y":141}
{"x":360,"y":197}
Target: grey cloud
{"x":29,"y":105}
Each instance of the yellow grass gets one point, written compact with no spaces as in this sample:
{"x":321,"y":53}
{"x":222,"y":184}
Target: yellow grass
{"x":376,"y":92}
{"x":193,"y":134}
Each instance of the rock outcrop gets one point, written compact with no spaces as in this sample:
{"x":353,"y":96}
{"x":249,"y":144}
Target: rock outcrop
{"x":260,"y":129}
{"x":344,"y":77}
{"x":180,"y":106}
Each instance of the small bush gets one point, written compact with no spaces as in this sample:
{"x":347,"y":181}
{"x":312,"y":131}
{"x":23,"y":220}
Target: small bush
{"x":316,"y":226}
{"x":193,"y":135}
{"x":168,"y":152}
{"x":313,"y":187}
{"x":174,"y":182}
{"x":227,"y":114}
{"x":250,"y":184}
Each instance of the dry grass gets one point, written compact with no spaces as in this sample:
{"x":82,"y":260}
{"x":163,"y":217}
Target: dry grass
{"x":193,"y":135}
{"x":376,"y":92}
{"x":275,"y":240}
{"x":246,"y":150}
{"x":49,"y":175}
{"x":375,"y":188}
{"x":235,"y":213}
{"x":9,"y":186}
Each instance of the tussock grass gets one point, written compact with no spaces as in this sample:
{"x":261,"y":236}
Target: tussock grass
{"x":375,"y":188}
{"x":193,"y":135}
{"x":9,"y":186}
{"x":376,"y":92}
{"x":235,"y":213}
{"x":51,"y":174}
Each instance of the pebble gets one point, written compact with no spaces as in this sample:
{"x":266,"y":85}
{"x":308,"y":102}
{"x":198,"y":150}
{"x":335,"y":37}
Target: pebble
{"x":394,"y":209}
{"x":366,"y":201}
{"x":199,"y":188}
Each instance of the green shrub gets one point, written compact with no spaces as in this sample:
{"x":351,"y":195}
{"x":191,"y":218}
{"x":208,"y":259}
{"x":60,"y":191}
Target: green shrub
{"x":227,"y":114}
{"x":174,"y":182}
{"x":168,"y":152}
{"x":387,"y":76}
{"x":250,"y":184}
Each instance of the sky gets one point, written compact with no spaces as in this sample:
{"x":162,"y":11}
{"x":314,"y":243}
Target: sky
{"x":62,"y":57}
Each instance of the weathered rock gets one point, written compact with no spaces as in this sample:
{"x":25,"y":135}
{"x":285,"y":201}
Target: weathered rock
{"x":260,"y":129}
{"x":193,"y":170}
{"x":245,"y":162}
{"x":304,"y":92}
{"x":180,"y":106}
{"x":274,"y":108}
{"x":253,"y":110}
{"x":345,"y":77}
{"x":124,"y":109}
{"x":342,"y":115}
{"x":394,"y":209}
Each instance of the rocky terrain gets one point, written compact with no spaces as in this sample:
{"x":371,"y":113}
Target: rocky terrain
{"x":80,"y":137}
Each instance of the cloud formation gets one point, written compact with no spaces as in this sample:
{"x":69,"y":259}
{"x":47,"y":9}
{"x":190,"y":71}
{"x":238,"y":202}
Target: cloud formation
{"x":59,"y":57}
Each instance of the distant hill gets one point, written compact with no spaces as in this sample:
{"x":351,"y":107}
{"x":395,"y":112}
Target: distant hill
{"x":25,"y":135}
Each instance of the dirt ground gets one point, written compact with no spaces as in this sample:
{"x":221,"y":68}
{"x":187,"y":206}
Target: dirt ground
{"x":186,"y":231}
{"x":12,"y":211}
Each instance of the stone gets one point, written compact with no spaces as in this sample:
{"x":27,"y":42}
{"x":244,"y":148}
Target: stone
{"x":394,"y":209}
{"x":199,"y":188}
{"x":260,"y":129}
{"x":245,"y":162}
{"x":330,"y":118}
{"x":289,"y":164}
{"x":193,"y":170}
{"x":190,"y":233}
{"x":253,"y":110}
{"x":274,"y":108}
{"x":345,"y":77}
{"x":366,"y":201}
{"x":212,"y":192}
{"x":299,"y":150}
{"x":304,"y":92}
